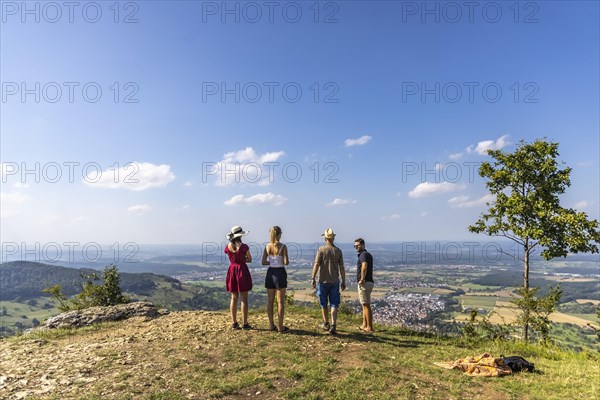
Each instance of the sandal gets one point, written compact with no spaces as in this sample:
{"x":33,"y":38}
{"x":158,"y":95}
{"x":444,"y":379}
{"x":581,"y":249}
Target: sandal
{"x":273,"y":328}
{"x":285,"y":330}
{"x":235,"y":325}
{"x":246,"y":327}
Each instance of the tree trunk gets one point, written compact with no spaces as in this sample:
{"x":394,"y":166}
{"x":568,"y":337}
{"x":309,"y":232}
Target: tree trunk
{"x":526,"y":286}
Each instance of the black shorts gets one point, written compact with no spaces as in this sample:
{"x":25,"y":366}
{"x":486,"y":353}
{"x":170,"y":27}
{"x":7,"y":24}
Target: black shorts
{"x":276,"y":278}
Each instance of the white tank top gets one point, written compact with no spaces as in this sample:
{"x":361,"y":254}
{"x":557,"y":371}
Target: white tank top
{"x":276,"y":261}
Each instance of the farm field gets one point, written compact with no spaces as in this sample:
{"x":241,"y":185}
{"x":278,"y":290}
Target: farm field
{"x":15,"y":311}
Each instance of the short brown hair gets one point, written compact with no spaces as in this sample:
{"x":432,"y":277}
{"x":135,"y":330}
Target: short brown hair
{"x":360,"y":240}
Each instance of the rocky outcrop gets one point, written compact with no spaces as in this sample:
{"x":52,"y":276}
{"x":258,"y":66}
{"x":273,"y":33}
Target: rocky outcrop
{"x":93,"y":315}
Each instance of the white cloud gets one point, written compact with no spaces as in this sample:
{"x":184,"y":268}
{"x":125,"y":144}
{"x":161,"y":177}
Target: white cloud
{"x":393,"y":217}
{"x":10,"y":203}
{"x":424,"y":214}
{"x":244,"y":166}
{"x":235,"y":200}
{"x":134,"y":176}
{"x":340,"y":202}
{"x":464,"y":202}
{"x":429,"y":188}
{"x":357,"y":142}
{"x":139,"y":209}
{"x":20,"y":185}
{"x":249,"y":155}
{"x":482,"y":147}
{"x":311,"y":159}
{"x":458,"y":199}
{"x":485,"y":145}
{"x":185,"y":208}
{"x":188,"y":184}
{"x":260,"y":198}
{"x":582,"y":205}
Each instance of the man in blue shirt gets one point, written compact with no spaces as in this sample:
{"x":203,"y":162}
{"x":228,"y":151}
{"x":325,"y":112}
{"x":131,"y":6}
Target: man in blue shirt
{"x":364,"y":277}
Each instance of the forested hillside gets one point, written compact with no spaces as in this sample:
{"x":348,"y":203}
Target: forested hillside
{"x":24,"y":279}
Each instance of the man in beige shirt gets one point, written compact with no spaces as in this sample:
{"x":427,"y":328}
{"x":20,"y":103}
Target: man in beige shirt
{"x":329,"y":264}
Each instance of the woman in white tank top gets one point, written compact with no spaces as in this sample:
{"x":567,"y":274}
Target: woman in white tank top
{"x":275,"y":255}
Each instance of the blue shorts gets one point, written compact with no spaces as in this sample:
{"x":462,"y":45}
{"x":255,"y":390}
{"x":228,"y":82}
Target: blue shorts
{"x":329,"y":291}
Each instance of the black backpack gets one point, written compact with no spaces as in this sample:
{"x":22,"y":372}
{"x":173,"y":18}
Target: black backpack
{"x":516,"y":363}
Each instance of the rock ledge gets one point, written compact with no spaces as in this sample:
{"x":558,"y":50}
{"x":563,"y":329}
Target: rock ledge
{"x":93,"y":315}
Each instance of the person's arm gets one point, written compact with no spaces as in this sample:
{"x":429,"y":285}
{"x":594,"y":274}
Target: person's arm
{"x":264,"y":257}
{"x":342,"y":272}
{"x":315,"y":270}
{"x":248,"y":255}
{"x":284,"y":252}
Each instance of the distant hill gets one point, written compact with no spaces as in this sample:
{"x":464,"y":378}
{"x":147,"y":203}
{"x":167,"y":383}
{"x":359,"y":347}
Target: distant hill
{"x":25,"y":279}
{"x":571,"y":290}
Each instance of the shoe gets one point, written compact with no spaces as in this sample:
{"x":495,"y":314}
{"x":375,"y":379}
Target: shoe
{"x":285,"y":330}
{"x":235,"y":325}
{"x":325,"y":326}
{"x":332,"y":330}
{"x":273,"y":328}
{"x":246,"y":327}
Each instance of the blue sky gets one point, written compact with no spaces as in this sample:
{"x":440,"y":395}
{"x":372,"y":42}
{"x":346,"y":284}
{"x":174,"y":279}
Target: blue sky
{"x":396,"y":110}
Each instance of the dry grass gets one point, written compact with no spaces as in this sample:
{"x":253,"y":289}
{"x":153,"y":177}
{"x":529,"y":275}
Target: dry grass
{"x":195,"y":355}
{"x":584,"y":301}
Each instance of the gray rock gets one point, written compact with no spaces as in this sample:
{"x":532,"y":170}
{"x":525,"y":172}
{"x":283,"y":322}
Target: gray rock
{"x":93,"y":315}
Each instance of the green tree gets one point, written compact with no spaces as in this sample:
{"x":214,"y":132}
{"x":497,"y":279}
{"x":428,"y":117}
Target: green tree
{"x":526,"y":185}
{"x":107,"y":294}
{"x":112,"y":293}
{"x":537,"y":309}
{"x":91,"y":295}
{"x":56,"y":293}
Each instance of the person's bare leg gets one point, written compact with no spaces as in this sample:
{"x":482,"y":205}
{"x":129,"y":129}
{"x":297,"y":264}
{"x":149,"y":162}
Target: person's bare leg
{"x":369,"y":317}
{"x":233,"y":306}
{"x":270,"y":300}
{"x":325,"y":312}
{"x":244,"y":296}
{"x":364,"y":324}
{"x":280,"y":307}
{"x":334,"y":313}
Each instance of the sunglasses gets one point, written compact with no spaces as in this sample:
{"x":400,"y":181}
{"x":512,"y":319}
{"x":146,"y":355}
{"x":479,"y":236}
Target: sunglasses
{"x":356,"y":246}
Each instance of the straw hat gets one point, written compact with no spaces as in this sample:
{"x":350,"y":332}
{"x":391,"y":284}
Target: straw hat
{"x":236,"y":232}
{"x":328,"y":234}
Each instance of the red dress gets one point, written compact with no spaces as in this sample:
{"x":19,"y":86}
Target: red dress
{"x":238,"y":274}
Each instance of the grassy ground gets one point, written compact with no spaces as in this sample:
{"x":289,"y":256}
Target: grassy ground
{"x":16,"y":311}
{"x":195,"y":355}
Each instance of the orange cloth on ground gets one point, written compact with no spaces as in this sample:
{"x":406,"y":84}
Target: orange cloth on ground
{"x":483,"y":365}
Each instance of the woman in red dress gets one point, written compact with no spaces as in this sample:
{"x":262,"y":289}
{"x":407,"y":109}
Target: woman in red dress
{"x":239,"y":281}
